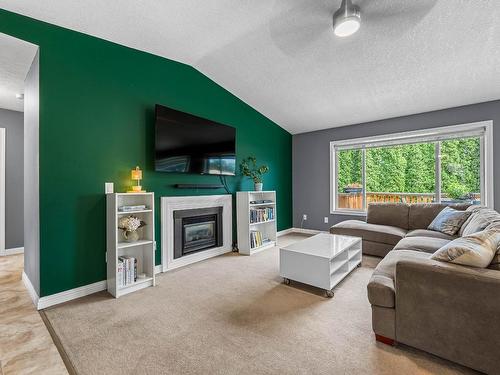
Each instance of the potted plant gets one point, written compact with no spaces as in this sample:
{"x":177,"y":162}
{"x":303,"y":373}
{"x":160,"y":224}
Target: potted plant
{"x":129,"y":225}
{"x":353,"y":188}
{"x":248,"y":168}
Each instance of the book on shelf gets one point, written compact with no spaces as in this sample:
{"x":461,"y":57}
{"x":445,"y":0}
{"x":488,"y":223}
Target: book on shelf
{"x":119,"y":274}
{"x":138,"y":207}
{"x":257,"y":239}
{"x":127,"y":270}
{"x":258,"y":215}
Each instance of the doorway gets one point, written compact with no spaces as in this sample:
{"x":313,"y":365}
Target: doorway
{"x":16,"y":62}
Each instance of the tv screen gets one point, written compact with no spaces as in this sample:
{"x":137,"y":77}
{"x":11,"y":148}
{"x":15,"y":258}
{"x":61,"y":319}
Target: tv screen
{"x":186,"y":143}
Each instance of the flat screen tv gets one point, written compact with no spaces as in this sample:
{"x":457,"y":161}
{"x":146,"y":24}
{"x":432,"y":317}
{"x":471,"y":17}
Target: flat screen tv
{"x":186,"y":143}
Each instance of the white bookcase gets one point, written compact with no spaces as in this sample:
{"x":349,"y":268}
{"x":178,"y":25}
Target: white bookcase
{"x":143,"y":250}
{"x":267,"y":228}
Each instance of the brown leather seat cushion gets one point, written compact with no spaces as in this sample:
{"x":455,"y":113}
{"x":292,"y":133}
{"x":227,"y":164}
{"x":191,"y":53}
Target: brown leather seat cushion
{"x":369,"y":232}
{"x":429,"y":233}
{"x":423,"y":244}
{"x":381,"y":288}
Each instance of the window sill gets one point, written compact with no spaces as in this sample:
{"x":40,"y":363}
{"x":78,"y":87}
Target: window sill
{"x":347,"y":212}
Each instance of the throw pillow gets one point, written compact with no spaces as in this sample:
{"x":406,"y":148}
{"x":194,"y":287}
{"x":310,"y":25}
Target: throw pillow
{"x":449,"y":221}
{"x":475,"y":250}
{"x":480,"y":218}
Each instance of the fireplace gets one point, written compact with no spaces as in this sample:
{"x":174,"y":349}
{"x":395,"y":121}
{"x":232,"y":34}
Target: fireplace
{"x":177,"y":213}
{"x":197,"y":230}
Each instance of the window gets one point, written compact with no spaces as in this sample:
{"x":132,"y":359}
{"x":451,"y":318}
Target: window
{"x":448,"y":164}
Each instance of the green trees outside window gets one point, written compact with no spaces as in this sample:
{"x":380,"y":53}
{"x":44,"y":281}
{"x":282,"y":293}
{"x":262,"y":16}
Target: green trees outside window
{"x":401,"y":169}
{"x":460,"y":167}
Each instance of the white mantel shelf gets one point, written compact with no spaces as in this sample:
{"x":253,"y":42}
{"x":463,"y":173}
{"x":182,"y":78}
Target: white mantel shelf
{"x":171,"y":204}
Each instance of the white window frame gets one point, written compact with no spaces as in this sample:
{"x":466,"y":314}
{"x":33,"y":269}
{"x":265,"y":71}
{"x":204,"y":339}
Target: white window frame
{"x":484,"y":128}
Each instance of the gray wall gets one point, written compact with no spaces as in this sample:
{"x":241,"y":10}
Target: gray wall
{"x":311,"y":156}
{"x":12,"y":121}
{"x":31,"y":197}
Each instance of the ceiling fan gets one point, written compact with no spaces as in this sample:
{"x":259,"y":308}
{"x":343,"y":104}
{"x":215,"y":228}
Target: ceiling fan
{"x":347,"y":19}
{"x":303,"y":22}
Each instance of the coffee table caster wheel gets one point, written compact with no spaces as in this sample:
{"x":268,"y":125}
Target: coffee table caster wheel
{"x":359,"y":265}
{"x":286,"y":281}
{"x":329,"y":293}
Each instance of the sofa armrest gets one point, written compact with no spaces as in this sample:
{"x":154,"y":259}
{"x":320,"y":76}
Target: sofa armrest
{"x":449,"y":310}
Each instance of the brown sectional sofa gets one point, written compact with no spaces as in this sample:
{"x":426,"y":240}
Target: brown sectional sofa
{"x":388,"y":223}
{"x":449,"y":310}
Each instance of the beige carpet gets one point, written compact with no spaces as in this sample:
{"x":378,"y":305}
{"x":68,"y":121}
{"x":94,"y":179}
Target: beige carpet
{"x":233,"y":315}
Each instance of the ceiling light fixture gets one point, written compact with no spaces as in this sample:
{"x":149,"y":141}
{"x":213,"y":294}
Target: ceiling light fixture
{"x":347,"y":19}
{"x":20,"y":96}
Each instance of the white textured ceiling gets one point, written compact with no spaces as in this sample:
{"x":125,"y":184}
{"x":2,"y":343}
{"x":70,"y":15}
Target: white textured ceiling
{"x":16,"y":57}
{"x":282,"y":58}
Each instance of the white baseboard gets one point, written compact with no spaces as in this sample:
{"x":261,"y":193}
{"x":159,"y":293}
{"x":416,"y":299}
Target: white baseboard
{"x":307,"y":231}
{"x":284,"y":231}
{"x":299,"y":230}
{"x":31,"y":290}
{"x":68,"y":295}
{"x":15,"y":250}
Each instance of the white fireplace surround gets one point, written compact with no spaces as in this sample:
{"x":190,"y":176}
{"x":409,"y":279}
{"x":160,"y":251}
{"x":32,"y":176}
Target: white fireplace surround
{"x":171,"y":204}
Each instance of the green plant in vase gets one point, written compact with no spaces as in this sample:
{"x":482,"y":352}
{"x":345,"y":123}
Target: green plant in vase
{"x":248,"y":168}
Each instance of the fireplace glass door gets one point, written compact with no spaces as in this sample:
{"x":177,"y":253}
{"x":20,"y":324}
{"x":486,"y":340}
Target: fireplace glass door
{"x":196,"y":230}
{"x":199,"y":235}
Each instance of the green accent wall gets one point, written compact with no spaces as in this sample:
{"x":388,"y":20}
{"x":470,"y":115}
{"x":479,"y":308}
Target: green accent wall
{"x":97,"y":103}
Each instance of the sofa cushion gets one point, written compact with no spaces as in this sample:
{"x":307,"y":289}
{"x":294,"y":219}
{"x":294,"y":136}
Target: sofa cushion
{"x":369,"y":232}
{"x":474,"y":250}
{"x":449,"y":221}
{"x":422,"y":214}
{"x":393,"y":214}
{"x":495,"y":263}
{"x":429,"y":233}
{"x":381,"y":290}
{"x":480,"y":218}
{"x":424,"y":244}
{"x":377,"y":249}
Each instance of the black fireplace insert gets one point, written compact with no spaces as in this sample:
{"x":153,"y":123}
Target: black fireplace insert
{"x":197,"y":230}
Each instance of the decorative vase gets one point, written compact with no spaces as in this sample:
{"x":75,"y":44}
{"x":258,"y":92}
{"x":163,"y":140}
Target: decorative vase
{"x":131,"y":236}
{"x":258,"y":186}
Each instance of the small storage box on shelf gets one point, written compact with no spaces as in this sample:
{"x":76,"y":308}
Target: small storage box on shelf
{"x":143,"y":250}
{"x":256,"y":220}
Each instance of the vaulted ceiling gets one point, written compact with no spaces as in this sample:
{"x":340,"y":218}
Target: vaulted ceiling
{"x":282,"y":58}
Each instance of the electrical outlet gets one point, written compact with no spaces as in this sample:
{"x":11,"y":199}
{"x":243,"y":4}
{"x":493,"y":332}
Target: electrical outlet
{"x":304,"y":217}
{"x":108,"y":187}
{"x":326,"y":219}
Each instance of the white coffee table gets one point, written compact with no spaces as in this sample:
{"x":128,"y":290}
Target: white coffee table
{"x":322,"y":260}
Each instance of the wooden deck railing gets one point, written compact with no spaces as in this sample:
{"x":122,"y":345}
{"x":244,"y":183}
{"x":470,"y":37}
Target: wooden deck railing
{"x":354,"y":201}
